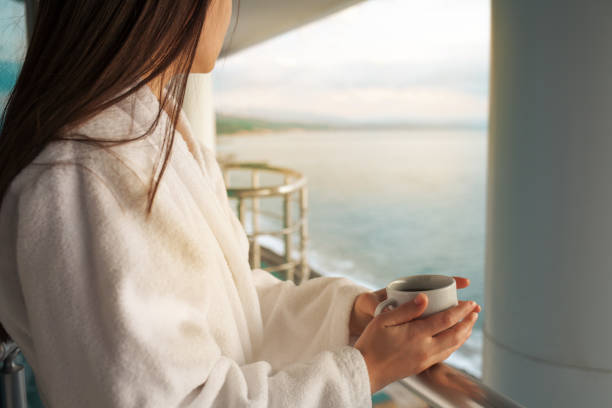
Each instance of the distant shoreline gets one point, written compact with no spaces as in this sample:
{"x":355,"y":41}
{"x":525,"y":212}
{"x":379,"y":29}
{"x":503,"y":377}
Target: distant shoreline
{"x":242,"y":126}
{"x":258,"y":132}
{"x":236,"y":125}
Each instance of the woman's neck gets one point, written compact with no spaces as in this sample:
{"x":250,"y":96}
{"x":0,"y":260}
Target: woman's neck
{"x":157,"y":86}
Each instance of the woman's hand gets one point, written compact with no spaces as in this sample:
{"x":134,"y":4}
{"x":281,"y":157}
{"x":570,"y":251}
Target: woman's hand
{"x":363,"y":310}
{"x":365,"y":305}
{"x":394,"y":345}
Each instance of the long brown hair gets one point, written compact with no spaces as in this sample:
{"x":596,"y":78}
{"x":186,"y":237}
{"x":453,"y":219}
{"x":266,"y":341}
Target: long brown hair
{"x":86,"y":55}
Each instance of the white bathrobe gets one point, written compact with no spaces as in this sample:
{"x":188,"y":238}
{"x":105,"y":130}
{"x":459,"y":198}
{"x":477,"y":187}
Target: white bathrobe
{"x":115,"y":310}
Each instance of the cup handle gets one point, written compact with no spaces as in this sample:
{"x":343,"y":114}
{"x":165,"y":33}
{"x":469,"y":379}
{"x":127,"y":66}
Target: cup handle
{"x":389,"y":302}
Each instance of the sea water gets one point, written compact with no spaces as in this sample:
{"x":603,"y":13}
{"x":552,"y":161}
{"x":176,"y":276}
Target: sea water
{"x":385,"y":204}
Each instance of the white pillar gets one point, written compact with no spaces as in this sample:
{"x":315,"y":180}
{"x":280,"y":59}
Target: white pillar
{"x":200,"y":109}
{"x":548,"y":328}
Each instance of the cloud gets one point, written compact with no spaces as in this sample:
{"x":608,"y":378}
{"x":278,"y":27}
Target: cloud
{"x":344,"y":75}
{"x":391,"y":60}
{"x":360,"y":104}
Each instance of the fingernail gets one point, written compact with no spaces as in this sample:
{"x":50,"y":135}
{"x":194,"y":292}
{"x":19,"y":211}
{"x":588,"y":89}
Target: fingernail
{"x":418,"y":300}
{"x":474,"y":316}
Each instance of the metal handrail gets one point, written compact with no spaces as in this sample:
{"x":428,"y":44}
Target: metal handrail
{"x":273,"y":215}
{"x":284,"y":231}
{"x":294,"y":183}
{"x":268,"y":191}
{"x":442,"y":386}
{"x":7,"y":348}
{"x":12,"y":377}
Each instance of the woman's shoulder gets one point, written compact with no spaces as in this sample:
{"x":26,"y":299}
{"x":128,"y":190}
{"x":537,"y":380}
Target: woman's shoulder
{"x":126,"y":169}
{"x":70,"y":172}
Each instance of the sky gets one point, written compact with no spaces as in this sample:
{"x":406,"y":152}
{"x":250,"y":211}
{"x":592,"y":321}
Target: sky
{"x":382,"y":61}
{"x":387,"y":61}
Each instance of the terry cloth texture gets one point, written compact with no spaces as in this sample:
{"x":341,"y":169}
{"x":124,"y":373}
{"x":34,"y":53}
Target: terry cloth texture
{"x":112,"y":309}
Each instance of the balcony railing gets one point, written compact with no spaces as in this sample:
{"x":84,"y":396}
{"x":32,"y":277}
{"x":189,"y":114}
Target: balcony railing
{"x":441,"y":386}
{"x":12,"y":377}
{"x":259,"y":181}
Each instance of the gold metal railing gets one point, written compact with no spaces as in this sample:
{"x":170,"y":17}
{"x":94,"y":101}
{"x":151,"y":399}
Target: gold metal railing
{"x":289,"y":187}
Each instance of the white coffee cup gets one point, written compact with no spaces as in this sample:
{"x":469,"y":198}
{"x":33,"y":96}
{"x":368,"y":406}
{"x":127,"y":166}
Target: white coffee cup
{"x":441,"y":292}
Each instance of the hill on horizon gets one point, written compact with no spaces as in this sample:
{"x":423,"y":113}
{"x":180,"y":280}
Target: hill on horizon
{"x":234,"y":124}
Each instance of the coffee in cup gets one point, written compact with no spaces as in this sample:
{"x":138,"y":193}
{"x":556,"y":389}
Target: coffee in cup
{"x":441,"y":292}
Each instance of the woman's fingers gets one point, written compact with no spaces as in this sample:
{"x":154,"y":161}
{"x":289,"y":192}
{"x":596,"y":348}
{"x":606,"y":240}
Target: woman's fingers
{"x":446,"y":319}
{"x":405,"y":312}
{"x":369,"y":302}
{"x":461,"y":282}
{"x":447,"y":342}
{"x":451,"y":339}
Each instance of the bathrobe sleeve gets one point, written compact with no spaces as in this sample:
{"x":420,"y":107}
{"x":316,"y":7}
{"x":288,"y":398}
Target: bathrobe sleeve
{"x":117,"y":312}
{"x":312,"y":316}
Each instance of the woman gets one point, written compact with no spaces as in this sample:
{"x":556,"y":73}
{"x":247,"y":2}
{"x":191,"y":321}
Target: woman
{"x":125,"y":275}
